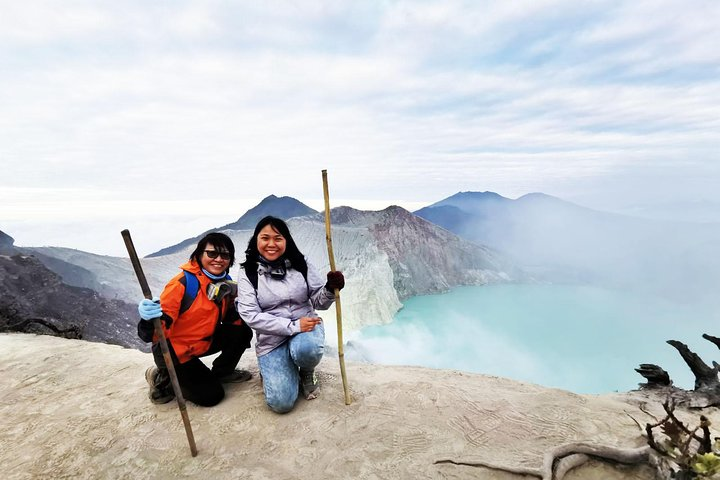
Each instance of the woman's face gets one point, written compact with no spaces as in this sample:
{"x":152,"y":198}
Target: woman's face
{"x":270,"y":243}
{"x":217,"y":265}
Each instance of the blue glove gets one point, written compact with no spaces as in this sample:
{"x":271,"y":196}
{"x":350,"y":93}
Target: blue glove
{"x":150,"y":309}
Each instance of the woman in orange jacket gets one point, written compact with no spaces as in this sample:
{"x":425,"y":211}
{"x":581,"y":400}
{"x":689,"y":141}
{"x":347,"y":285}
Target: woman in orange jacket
{"x":198,"y":319}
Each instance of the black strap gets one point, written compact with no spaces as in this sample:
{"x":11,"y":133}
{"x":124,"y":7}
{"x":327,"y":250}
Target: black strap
{"x":190,"y":292}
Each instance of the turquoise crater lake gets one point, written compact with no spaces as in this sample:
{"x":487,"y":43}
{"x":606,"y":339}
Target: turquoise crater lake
{"x":579,"y":338}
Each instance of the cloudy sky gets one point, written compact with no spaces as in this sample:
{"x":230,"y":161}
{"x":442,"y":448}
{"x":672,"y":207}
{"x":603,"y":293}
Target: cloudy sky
{"x":171,"y":117}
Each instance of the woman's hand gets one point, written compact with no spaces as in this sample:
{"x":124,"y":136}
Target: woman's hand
{"x":335,"y":281}
{"x":149,"y":309}
{"x":307,"y":324}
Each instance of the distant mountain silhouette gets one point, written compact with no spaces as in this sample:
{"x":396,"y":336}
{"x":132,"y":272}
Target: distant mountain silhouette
{"x":471,"y":206}
{"x":455,"y":213}
{"x":566,"y":242}
{"x":515,"y":225}
{"x":282,"y":207}
{"x":473,"y":200}
{"x":491,"y":219}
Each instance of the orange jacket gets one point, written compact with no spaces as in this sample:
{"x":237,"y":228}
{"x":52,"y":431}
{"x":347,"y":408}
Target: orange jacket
{"x":191,"y":332}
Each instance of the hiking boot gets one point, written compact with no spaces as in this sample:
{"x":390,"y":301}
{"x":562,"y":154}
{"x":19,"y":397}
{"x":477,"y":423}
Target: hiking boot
{"x":309,"y":384}
{"x":236,"y":376}
{"x":160,"y":388}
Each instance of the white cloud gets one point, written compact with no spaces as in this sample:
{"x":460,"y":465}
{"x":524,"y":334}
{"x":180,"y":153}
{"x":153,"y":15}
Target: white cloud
{"x":37,"y":23}
{"x":421,"y":99}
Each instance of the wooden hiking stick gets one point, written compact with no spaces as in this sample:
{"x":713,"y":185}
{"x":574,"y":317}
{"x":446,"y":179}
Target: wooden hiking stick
{"x":163,"y":342}
{"x":338,"y":310}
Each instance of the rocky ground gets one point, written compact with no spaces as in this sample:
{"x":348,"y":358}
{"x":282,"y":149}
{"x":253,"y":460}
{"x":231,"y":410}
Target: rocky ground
{"x":75,"y":409}
{"x":37,"y":300}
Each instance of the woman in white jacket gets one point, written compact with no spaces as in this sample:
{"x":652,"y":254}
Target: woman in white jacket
{"x":278,"y":293}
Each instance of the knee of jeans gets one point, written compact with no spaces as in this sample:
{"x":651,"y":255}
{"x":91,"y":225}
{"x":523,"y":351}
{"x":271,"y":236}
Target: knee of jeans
{"x":310,"y":354}
{"x":280,"y":405}
{"x":313,"y":354}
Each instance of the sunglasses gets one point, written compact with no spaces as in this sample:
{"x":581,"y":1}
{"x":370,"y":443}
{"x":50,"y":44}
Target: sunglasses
{"x":215,"y":253}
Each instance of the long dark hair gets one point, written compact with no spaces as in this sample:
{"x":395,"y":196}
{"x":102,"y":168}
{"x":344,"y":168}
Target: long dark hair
{"x":292,"y":253}
{"x":220,"y":241}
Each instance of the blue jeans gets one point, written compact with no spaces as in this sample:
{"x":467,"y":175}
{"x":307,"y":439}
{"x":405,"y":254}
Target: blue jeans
{"x":280,"y":367}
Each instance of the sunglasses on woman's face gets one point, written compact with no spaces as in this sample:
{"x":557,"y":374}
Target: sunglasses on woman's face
{"x":215,"y":253}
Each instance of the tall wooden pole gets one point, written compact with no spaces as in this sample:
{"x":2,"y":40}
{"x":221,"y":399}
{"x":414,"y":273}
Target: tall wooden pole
{"x":338,"y":309}
{"x":163,"y":341}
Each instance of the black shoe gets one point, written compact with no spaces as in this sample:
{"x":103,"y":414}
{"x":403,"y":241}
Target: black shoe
{"x":309,"y":384}
{"x":160,"y":388}
{"x":236,"y":376}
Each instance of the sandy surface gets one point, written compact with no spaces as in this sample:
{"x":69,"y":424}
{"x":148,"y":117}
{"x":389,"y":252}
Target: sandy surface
{"x":74,"y":409}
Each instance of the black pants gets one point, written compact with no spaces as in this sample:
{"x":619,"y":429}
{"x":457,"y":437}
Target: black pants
{"x":198,"y":383}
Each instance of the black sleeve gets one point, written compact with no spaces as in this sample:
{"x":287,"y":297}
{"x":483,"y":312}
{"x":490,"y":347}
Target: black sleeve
{"x":145,"y":330}
{"x":231,"y":315}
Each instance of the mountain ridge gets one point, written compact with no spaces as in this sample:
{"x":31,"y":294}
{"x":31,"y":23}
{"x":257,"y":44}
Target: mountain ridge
{"x":387,"y":256}
{"x":284,"y":207}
